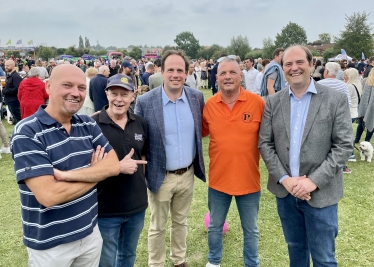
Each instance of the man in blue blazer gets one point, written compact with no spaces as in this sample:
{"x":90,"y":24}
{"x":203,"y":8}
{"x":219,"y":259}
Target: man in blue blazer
{"x":305,"y":140}
{"x":173,"y":113}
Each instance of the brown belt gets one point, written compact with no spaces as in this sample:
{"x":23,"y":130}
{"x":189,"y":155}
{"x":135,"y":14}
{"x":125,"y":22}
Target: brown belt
{"x":180,"y":171}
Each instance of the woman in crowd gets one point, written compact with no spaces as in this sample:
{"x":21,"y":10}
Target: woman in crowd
{"x":351,"y":78}
{"x":43,"y":73}
{"x":31,"y":93}
{"x":366,"y":110}
{"x":88,"y":106}
{"x":198,"y":73}
{"x":316,"y":70}
{"x":204,"y":76}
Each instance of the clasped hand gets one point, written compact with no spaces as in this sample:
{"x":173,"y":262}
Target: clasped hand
{"x":299,"y":187}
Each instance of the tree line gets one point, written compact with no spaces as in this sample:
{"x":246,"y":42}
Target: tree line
{"x":355,"y":39}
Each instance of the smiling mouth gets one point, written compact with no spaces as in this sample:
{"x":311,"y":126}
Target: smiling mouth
{"x":295,"y":74}
{"x":72,"y":100}
{"x":118,"y":106}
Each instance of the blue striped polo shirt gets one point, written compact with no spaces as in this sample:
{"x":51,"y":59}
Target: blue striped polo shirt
{"x":39,"y":144}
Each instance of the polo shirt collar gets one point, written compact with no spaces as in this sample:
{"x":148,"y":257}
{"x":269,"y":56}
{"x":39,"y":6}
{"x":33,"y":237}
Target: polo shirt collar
{"x":242,"y":95}
{"x":166,"y":99}
{"x":46,"y":119}
{"x":104,"y":117}
{"x":311,"y":88}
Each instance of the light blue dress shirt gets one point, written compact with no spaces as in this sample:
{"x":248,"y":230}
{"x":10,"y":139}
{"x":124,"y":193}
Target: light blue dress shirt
{"x":298,"y":113}
{"x":180,"y":136}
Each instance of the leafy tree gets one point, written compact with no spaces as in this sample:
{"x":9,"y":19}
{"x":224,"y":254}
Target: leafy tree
{"x":124,"y":52}
{"x":292,"y":34}
{"x":207,"y":53}
{"x":80,"y":41}
{"x":315,"y":53}
{"x":329,"y":53}
{"x":101,"y":52}
{"x":325,"y":38}
{"x":254,"y":54}
{"x":97,"y":47}
{"x":60,"y":51}
{"x":239,"y":46}
{"x":187,"y":42}
{"x":87,"y":42}
{"x":317,"y":42}
{"x":111,"y":48}
{"x":357,"y":36}
{"x":268,"y":48}
{"x":168,"y":47}
{"x":217,"y":54}
{"x":136,"y":53}
{"x":45,"y":53}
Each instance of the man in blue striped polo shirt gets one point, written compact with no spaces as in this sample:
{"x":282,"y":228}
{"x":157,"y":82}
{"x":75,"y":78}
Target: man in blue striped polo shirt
{"x":58,"y":159}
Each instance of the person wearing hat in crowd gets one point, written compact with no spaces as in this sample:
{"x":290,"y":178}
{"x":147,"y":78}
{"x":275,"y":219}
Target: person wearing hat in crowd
{"x":128,"y":69}
{"x":122,"y":199}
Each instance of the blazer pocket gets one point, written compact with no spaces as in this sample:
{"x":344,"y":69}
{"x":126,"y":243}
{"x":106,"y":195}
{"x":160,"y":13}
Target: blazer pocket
{"x":322,"y":120}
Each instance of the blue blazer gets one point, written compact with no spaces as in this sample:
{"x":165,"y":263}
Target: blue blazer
{"x":150,"y":107}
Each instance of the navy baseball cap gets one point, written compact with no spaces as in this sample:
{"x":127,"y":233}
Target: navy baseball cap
{"x":121,"y":80}
{"x":127,"y":64}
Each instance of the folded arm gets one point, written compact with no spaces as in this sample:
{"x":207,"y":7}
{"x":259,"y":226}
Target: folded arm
{"x":107,"y":167}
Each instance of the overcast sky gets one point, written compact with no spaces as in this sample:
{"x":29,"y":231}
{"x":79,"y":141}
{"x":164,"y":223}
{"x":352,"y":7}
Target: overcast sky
{"x":157,"y":22}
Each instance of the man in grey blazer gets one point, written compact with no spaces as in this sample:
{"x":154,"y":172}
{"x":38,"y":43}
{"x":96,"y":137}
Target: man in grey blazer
{"x":173,"y":113}
{"x":305,"y":139}
{"x":156,"y":79}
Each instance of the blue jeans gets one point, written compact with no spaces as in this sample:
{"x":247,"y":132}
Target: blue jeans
{"x":308,"y":231}
{"x":120,"y":239}
{"x":248,"y":206}
{"x":360,"y":130}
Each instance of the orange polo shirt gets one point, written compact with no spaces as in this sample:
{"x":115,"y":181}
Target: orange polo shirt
{"x":233,"y":148}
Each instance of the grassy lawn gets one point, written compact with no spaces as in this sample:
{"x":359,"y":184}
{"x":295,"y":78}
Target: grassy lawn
{"x":354,"y":242}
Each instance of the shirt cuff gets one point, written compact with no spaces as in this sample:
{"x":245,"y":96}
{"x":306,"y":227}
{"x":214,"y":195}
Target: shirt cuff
{"x":283,"y":177}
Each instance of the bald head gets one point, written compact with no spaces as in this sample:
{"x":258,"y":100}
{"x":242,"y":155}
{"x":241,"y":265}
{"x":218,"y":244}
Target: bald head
{"x":104,"y":70}
{"x":9,"y":66}
{"x":67,"y":91}
{"x":63,"y":70}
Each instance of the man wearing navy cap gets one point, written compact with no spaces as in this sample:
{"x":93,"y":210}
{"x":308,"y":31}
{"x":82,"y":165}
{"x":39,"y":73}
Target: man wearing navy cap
{"x":122,"y":199}
{"x":128,"y":69}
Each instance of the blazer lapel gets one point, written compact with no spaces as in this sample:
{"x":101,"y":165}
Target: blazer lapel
{"x":314,"y":105}
{"x":285,"y":107}
{"x":192,"y":101}
{"x":158,"y":113}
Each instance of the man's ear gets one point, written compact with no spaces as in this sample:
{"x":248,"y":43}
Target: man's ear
{"x":48,"y":87}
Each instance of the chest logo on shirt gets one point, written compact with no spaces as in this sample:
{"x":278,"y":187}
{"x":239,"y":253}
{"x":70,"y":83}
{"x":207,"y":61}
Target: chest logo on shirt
{"x":247,"y":117}
{"x":138,"y":137}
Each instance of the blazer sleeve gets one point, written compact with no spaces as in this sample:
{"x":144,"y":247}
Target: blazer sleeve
{"x":341,"y":146}
{"x":138,"y":109}
{"x":266,"y":145}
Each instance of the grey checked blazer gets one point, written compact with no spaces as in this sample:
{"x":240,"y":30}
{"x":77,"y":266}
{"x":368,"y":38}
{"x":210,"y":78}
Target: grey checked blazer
{"x":325,"y":146}
{"x":150,"y":107}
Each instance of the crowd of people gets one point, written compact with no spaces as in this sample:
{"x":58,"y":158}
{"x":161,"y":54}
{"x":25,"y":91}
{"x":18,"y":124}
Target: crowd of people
{"x":93,"y":146}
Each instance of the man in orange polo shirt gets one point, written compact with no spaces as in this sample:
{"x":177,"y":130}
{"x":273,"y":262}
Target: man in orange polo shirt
{"x":232,"y":118}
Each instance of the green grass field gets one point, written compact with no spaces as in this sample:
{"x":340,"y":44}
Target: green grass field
{"x":354,"y":242}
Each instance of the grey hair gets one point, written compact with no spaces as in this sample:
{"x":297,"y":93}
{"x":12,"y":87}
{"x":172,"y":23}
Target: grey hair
{"x":34,"y":72}
{"x":227,"y":59}
{"x":333,"y":68}
{"x":102,"y":68}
